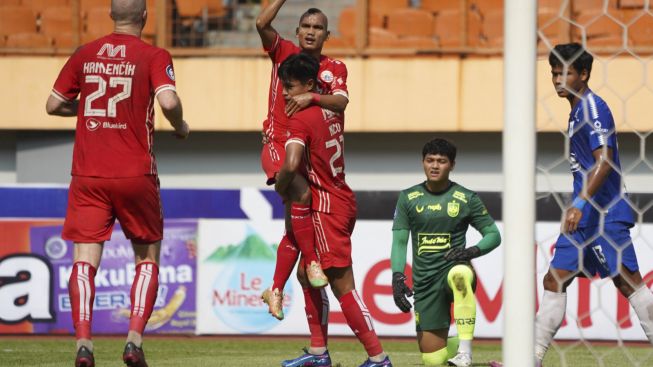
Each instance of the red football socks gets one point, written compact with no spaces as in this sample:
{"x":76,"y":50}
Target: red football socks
{"x":359,"y":320}
{"x":317,"y":315}
{"x":81,"y":288}
{"x":143,"y":295}
{"x":287,"y":255}
{"x":302,"y":227}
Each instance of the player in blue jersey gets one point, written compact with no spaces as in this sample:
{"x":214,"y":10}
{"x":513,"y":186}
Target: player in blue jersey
{"x":595,"y":234}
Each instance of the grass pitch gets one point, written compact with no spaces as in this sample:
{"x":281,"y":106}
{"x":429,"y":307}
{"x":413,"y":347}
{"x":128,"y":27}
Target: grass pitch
{"x":269,"y":351}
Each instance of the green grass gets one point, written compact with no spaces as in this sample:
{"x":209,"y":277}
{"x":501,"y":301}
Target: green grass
{"x":267,"y":351}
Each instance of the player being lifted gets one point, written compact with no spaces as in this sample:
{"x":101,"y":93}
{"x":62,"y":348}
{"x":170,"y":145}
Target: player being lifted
{"x":437,"y":213}
{"x":114,"y":175}
{"x":331,"y":93}
{"x":315,"y":148}
{"x":596,"y":228}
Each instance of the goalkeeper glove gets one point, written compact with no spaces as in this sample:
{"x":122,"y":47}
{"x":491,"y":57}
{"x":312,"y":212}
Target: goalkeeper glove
{"x":462,"y":254}
{"x":400,"y":291}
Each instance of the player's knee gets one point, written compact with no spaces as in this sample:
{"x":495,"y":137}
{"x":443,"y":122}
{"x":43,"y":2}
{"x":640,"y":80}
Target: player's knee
{"x":551,"y":284}
{"x":460,"y":275}
{"x":437,"y":358}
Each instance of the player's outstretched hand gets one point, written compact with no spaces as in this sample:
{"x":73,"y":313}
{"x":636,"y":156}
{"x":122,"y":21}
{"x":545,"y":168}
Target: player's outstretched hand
{"x":400,"y":291}
{"x":462,"y":254}
{"x":572,"y":219}
{"x":183,"y":131}
{"x":298,"y":103}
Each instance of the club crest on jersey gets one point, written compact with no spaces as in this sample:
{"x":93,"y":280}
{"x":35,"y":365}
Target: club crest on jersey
{"x":170,"y":72}
{"x":92,"y":124}
{"x":453,"y":208}
{"x":327,"y":76}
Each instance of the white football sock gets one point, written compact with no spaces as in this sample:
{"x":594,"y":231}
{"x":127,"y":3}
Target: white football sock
{"x":548,"y":320}
{"x":465,"y":346}
{"x":642,"y":302}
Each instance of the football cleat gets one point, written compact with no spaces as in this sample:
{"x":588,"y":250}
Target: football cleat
{"x":274,"y":300}
{"x":385,"y":363}
{"x":133,"y":356}
{"x":309,"y":360}
{"x":316,"y":276}
{"x":461,"y":359}
{"x":84,"y":358}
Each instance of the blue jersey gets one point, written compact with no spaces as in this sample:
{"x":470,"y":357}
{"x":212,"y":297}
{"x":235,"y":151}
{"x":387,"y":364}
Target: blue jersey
{"x":591,"y":126}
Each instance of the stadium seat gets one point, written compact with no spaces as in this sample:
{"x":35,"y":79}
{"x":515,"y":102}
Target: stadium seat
{"x":98,"y":24}
{"x":446,"y":28}
{"x":410,"y":22}
{"x":493,"y":28}
{"x":386,"y":6}
{"x":17,"y":19}
{"x":347,"y":22}
{"x":28,"y":40}
{"x":339,"y":42}
{"x":551,"y":26}
{"x":633,"y":4}
{"x":486,"y":6}
{"x":600,"y":29}
{"x":197,"y":8}
{"x":40,"y":5}
{"x":86,"y":5}
{"x":56,"y":20}
{"x":640,"y":33}
{"x":4,"y":3}
{"x":382,"y":38}
{"x":436,"y":6}
{"x":417,"y":42}
{"x":64,"y":40}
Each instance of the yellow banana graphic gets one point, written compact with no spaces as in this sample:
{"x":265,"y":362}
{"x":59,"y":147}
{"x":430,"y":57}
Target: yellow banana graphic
{"x":161,"y":316}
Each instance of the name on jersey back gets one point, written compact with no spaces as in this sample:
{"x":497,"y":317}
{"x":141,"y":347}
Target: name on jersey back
{"x":122,"y":69}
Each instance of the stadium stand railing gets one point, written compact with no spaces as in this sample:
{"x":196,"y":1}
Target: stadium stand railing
{"x":359,"y":27}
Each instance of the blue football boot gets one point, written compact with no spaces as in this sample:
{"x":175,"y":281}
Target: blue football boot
{"x":385,"y":363}
{"x":309,"y":360}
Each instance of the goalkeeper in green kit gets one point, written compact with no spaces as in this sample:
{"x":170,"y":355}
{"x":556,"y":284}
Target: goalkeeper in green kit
{"x":437,"y":214}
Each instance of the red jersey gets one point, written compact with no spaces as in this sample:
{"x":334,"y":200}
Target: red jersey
{"x":332,"y":79}
{"x":117,"y":78}
{"x":320,"y":131}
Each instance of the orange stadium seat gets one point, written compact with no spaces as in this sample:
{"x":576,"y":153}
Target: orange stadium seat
{"x":386,"y":6}
{"x":640,"y":33}
{"x":28,"y":40}
{"x":447,"y":28}
{"x":17,"y":19}
{"x":64,"y":40}
{"x":338,"y":42}
{"x":636,"y":4}
{"x":86,"y":5}
{"x":549,"y":24}
{"x":196,"y":8}
{"x":440,"y":5}
{"x":382,"y":38}
{"x":417,"y":42}
{"x":40,"y":5}
{"x":10,"y":3}
{"x":486,"y":6}
{"x":347,"y":22}
{"x":410,"y":22}
{"x":600,"y":29}
{"x":56,"y":20}
{"x":493,"y":28}
{"x":98,"y":24}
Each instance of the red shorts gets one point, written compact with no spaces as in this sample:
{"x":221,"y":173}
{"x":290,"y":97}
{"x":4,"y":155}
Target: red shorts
{"x":95,"y":203}
{"x":333,"y":239}
{"x":272,"y":157}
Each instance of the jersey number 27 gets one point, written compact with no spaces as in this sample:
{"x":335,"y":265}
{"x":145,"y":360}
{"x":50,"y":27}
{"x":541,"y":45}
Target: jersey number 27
{"x":102,"y":90}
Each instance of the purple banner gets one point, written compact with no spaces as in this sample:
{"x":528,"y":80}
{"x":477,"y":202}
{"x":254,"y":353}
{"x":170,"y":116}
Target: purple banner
{"x":174,"y":311}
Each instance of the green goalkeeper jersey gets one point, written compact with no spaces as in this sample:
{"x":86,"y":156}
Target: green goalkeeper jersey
{"x":437,"y":223}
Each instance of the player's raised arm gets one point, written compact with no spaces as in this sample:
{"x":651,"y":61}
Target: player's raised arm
{"x":264,"y":23}
{"x":172,"y":110}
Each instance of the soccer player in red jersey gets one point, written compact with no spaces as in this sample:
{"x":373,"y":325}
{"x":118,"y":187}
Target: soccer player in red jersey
{"x":114,"y":173}
{"x":315,"y":148}
{"x":331,"y":94}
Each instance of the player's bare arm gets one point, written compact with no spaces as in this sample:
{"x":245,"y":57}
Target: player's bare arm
{"x":264,"y":23}
{"x":294,"y":154}
{"x":595,"y":180}
{"x":59,"y":107}
{"x":336,"y":103}
{"x":174,"y":113}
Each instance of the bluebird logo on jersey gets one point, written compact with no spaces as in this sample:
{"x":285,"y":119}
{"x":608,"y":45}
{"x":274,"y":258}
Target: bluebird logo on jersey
{"x":92,"y":124}
{"x":170,"y":72}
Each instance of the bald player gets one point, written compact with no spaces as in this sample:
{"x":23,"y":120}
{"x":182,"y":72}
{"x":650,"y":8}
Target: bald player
{"x":114,"y":174}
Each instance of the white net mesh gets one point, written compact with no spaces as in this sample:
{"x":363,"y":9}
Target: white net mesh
{"x":600,"y":328}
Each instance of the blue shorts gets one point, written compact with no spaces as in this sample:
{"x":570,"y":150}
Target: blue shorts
{"x":600,"y":253}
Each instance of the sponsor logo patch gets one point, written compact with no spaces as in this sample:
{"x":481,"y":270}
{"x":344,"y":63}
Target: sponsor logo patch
{"x":170,"y":72}
{"x":433,"y":242}
{"x":92,"y":124}
{"x":327,"y":76}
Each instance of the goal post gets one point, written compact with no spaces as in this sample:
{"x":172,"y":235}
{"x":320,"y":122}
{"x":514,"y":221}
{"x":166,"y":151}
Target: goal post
{"x":520,"y":57}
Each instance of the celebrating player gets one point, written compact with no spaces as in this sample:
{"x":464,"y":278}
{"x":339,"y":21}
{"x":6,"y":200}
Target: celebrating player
{"x":436,"y":213}
{"x":315,"y":147}
{"x":595,"y":236}
{"x":114,"y":173}
{"x":311,"y":34}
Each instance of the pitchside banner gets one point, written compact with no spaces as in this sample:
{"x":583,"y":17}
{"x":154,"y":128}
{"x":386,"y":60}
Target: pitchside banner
{"x":236,"y":261}
{"x":39,"y":290}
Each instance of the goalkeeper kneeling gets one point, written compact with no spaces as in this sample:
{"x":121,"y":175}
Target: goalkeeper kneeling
{"x":437,"y":213}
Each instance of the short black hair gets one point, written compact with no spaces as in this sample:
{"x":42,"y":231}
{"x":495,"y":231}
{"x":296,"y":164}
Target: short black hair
{"x":313,"y":11}
{"x":440,"y":146}
{"x":574,"y":54}
{"x":301,"y":67}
